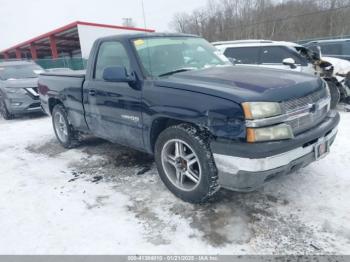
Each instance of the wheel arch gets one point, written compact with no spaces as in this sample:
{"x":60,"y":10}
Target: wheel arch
{"x":161,"y":123}
{"x":53,"y":101}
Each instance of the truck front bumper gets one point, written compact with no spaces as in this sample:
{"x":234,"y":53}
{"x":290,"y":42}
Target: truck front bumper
{"x":245,"y":167}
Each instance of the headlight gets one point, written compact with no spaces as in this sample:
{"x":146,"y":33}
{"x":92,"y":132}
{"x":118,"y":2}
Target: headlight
{"x":258,"y":110}
{"x":12,"y":90}
{"x":279,"y":132}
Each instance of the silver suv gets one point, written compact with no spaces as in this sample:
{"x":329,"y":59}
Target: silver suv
{"x":19,"y":88}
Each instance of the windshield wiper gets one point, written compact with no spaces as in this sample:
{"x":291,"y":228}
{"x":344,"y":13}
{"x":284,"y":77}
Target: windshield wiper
{"x":180,"y":70}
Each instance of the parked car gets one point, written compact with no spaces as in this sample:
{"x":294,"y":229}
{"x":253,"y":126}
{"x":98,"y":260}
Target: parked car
{"x":266,"y":53}
{"x":338,"y":48}
{"x":19,"y":88}
{"x":208,"y":123}
{"x":288,"y":56}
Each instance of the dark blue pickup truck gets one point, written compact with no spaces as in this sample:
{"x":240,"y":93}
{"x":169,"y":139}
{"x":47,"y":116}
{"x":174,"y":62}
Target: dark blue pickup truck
{"x":209,"y":124}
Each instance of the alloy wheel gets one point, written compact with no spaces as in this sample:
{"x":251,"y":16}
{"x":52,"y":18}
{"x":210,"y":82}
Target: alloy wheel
{"x":181,"y":164}
{"x":61,"y":126}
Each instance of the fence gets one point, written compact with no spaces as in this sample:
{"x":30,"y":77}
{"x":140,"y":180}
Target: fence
{"x":72,"y":63}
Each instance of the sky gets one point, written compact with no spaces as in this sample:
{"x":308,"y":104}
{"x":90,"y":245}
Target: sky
{"x":22,"y":20}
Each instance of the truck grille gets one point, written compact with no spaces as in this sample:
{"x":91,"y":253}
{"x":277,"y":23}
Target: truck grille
{"x":304,"y":123}
{"x":297,"y":103}
{"x":310,"y":120}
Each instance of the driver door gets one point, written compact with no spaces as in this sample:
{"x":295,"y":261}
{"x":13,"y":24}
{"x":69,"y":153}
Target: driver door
{"x":113,"y":109}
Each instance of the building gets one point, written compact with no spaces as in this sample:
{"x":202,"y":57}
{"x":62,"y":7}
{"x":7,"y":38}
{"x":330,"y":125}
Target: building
{"x":66,"y":44}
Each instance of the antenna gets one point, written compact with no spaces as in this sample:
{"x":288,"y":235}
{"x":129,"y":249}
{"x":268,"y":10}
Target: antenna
{"x":143,"y":14}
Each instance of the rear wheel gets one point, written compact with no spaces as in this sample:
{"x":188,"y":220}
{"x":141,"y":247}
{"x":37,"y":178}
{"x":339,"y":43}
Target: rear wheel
{"x":65,"y":132}
{"x":4,"y":111}
{"x":185,"y":163}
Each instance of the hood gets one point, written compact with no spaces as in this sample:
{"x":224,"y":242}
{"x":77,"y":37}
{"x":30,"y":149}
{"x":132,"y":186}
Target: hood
{"x":341,"y":66}
{"x":21,"y":83}
{"x":245,"y":83}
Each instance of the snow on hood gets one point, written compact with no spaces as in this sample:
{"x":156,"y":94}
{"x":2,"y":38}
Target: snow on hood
{"x":341,"y":66}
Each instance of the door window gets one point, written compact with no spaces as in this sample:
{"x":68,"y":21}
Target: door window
{"x":243,"y":55}
{"x":276,"y":55}
{"x":331,"y":48}
{"x":111,"y":54}
{"x":346,"y":48}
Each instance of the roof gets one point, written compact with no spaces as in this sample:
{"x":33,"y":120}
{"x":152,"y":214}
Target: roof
{"x":252,"y":43}
{"x":241,"y":42}
{"x":145,"y":35}
{"x":69,"y":27}
{"x":328,"y":41}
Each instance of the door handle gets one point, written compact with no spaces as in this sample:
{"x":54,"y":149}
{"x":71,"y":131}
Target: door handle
{"x":92,"y":92}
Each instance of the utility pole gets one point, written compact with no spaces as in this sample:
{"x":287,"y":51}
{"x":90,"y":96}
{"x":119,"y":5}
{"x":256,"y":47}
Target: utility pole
{"x":143,"y":14}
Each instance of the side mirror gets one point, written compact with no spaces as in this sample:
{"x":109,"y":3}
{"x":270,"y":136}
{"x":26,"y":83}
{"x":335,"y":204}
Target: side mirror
{"x":117,"y":74}
{"x":290,"y":62}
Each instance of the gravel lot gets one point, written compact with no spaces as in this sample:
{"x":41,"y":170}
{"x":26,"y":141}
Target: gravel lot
{"x":107,"y":199}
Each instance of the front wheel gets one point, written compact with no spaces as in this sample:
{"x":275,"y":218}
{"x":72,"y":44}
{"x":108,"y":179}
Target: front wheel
{"x":64,"y":131}
{"x":4,"y":111}
{"x":185,"y":163}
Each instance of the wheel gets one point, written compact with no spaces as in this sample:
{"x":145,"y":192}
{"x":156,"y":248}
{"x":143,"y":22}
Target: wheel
{"x":4,"y":111}
{"x":65,"y":133}
{"x":335,"y":94}
{"x":185,"y":163}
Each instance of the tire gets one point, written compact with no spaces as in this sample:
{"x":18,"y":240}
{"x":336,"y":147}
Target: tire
{"x":194,"y":183}
{"x":64,"y":131}
{"x":335,"y":94}
{"x":4,"y":111}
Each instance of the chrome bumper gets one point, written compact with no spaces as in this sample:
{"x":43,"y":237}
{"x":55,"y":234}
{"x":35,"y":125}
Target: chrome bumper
{"x":247,"y":174}
{"x":234,"y":164}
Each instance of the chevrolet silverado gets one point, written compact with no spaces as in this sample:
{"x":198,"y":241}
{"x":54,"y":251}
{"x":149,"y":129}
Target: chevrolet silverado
{"x":208,"y":123}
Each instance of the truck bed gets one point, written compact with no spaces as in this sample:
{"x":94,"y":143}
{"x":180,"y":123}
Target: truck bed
{"x":68,"y":85}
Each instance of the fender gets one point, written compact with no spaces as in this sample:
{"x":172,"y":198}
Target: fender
{"x":221,"y":117}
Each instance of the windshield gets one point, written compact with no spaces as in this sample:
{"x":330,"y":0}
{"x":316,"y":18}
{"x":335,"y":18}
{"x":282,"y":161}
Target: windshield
{"x":163,"y":55}
{"x":19,"y":71}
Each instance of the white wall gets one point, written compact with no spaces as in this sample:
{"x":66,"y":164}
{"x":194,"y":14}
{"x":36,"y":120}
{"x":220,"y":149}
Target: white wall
{"x":88,"y":35}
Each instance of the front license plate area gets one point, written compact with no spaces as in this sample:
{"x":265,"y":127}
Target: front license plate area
{"x":321,"y":149}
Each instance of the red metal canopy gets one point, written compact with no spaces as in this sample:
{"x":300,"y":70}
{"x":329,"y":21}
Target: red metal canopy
{"x":64,"y":40}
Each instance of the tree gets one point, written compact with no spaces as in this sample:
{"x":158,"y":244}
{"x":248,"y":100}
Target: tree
{"x":288,"y":20}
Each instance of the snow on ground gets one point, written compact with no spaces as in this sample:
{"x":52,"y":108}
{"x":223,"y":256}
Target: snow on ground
{"x":106,"y":199}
